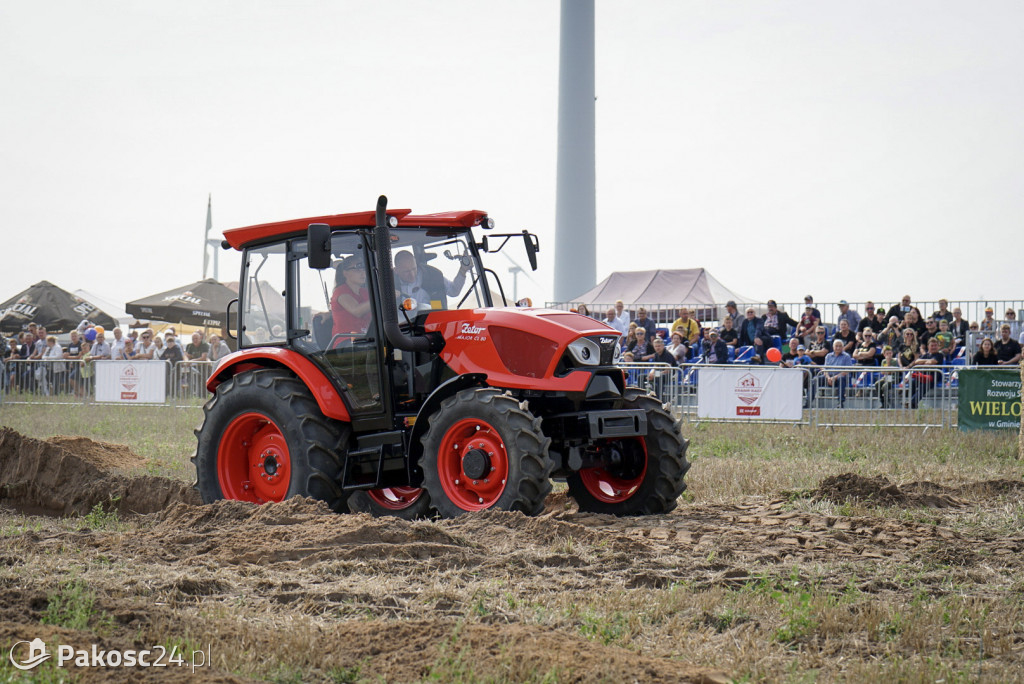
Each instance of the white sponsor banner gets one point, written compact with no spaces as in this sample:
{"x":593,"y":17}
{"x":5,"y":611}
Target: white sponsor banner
{"x":132,"y":382}
{"x":752,"y":392}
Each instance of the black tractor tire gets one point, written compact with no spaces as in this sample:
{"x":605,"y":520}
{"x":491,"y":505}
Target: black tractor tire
{"x":407,"y":503}
{"x":482,"y":450}
{"x":263,"y":438}
{"x":663,"y":471}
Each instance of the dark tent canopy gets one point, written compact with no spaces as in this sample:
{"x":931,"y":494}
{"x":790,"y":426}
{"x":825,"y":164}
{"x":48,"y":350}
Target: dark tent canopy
{"x":57,"y":310}
{"x":202,"y":303}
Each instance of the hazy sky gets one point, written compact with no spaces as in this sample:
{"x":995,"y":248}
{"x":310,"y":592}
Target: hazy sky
{"x":850,"y":149}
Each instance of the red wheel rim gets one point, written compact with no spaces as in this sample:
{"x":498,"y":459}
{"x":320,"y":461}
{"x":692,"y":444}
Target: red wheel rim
{"x":472,"y":440}
{"x":252,"y":460}
{"x":395,"y":498}
{"x":619,"y":483}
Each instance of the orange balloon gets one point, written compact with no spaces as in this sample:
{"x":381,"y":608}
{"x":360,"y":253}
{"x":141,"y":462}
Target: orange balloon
{"x":773,"y":354}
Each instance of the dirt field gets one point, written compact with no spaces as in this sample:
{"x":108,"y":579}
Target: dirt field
{"x":858,"y":579}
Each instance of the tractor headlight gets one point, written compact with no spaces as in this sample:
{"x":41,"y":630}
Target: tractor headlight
{"x":585,"y":352}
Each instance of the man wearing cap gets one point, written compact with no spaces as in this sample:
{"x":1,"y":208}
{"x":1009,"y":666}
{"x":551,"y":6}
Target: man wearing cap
{"x":1007,"y":348}
{"x":731,"y":310}
{"x":715,"y":350}
{"x":777,"y":322}
{"x":849,"y":315}
{"x":809,"y":301}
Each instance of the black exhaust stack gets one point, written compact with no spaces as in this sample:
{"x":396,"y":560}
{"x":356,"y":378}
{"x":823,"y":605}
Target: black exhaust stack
{"x":386,"y":286}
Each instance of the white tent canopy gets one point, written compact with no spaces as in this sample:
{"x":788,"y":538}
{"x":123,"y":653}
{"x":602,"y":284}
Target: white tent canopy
{"x":662,"y":288}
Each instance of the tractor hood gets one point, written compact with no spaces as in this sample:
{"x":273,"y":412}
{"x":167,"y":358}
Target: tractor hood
{"x":525,"y":348}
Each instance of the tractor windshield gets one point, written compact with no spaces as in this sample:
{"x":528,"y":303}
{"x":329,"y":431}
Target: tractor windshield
{"x":437,"y":269}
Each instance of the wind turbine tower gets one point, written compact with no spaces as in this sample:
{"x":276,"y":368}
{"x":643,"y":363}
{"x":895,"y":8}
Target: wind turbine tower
{"x":575,"y":206}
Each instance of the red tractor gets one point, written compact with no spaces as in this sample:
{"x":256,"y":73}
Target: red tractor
{"x":375,"y":373}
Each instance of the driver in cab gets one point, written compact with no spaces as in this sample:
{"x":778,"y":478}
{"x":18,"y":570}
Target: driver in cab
{"x":425,"y":284}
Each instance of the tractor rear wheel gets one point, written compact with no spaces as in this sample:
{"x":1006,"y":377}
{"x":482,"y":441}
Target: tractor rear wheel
{"x":483,"y":451}
{"x":648,"y":478}
{"x":408,"y":503}
{"x":263,"y":438}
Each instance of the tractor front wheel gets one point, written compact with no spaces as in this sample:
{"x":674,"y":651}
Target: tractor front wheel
{"x":483,"y":451}
{"x":647,"y":477}
{"x":263,"y":438}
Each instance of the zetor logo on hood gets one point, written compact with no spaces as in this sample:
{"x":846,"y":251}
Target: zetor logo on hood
{"x":471,"y":333}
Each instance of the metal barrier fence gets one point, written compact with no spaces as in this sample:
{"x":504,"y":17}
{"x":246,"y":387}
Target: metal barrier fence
{"x":57,"y":381}
{"x":858,"y":396}
{"x":861,"y":396}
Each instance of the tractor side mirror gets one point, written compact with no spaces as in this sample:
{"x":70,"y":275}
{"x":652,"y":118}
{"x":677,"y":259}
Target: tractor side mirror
{"x":482,"y":245}
{"x":318,"y":241}
{"x":532,"y":247}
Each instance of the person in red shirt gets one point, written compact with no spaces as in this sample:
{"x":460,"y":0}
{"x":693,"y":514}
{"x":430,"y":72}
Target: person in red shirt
{"x":350,"y":302}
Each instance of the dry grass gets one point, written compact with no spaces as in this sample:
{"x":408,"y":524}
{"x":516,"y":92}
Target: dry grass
{"x":935,"y":614}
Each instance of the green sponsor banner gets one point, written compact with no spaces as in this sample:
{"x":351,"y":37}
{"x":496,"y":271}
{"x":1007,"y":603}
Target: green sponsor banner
{"x":989,"y":399}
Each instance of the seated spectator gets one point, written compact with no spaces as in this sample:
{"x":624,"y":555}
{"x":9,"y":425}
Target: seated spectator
{"x":791,"y":353}
{"x":931,"y":329}
{"x":947,"y":345}
{"x":677,"y":348}
{"x":809,"y":301}
{"x":912,"y":319}
{"x":887,"y":381}
{"x":881,"y":321}
{"x":728,"y":333}
{"x":751,"y":333}
{"x":808,"y":324}
{"x":869,"y":319}
{"x":197,"y":350}
{"x":630,"y":337}
{"x":645,"y":322}
{"x":891,"y":334}
{"x":986,"y":354}
{"x":1011,"y":320}
{"x":943,"y":313}
{"x":612,"y":320}
{"x":146,"y":348}
{"x":715,"y":350}
{"x":819,"y":347}
{"x":959,"y":327}
{"x":900,"y":310}
{"x":659,"y":379}
{"x":689,"y":326}
{"x":866,"y":352}
{"x":641,"y":346}
{"x":1007,"y":348}
{"x":988,"y":326}
{"x":849,"y":315}
{"x":218,"y":348}
{"x":777,"y":322}
{"x":910,"y":349}
{"x":732,"y":312}
{"x":839,"y":379}
{"x":846,"y":335}
{"x":923,"y":380}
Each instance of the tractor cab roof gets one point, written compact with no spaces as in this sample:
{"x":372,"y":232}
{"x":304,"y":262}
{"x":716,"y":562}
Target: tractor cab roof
{"x":239,"y":237}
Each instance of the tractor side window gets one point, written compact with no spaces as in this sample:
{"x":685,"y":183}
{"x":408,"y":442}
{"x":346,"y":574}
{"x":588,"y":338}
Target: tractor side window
{"x":263,"y":303}
{"x":436,"y":270}
{"x":334,"y":303}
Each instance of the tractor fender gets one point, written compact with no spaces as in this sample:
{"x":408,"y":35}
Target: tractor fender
{"x":433,"y":402}
{"x":323,"y":390}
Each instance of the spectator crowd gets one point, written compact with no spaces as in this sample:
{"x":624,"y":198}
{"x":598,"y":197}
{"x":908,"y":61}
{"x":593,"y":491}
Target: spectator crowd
{"x":34,"y":361}
{"x":898,"y":337}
